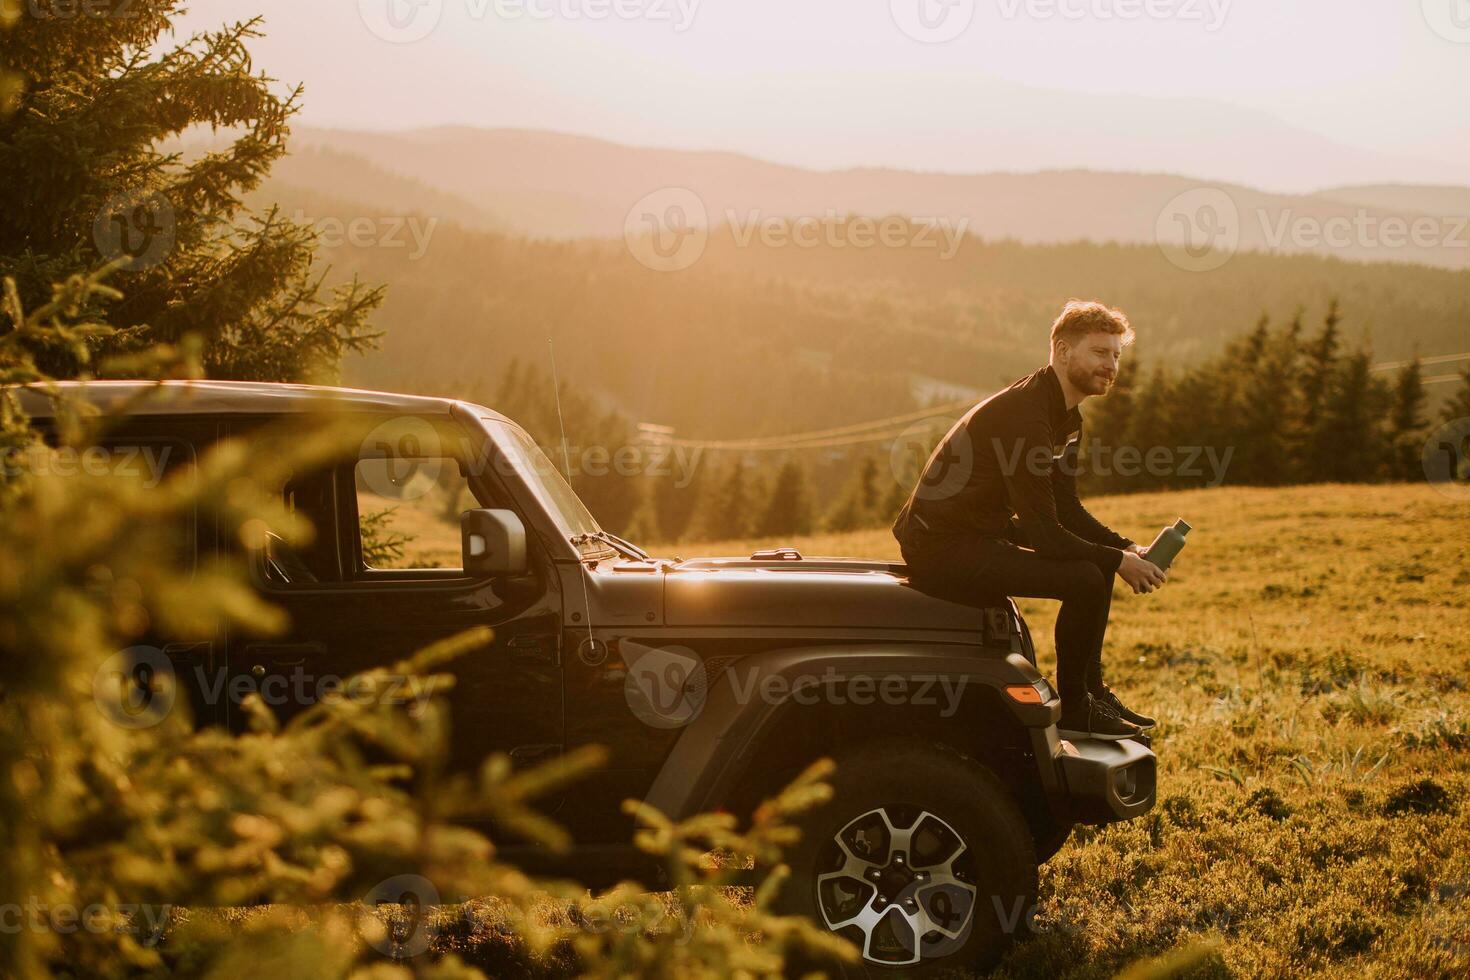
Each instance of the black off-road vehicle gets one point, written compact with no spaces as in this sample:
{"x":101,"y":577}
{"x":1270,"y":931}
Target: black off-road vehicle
{"x":712,"y":681}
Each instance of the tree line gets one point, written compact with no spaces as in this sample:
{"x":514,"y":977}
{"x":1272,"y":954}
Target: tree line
{"x":756,"y":340}
{"x":1287,"y":404}
{"x":1282,"y":404}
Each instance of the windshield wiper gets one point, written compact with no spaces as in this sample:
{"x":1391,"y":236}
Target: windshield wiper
{"x":615,"y":542}
{"x":627,"y":545}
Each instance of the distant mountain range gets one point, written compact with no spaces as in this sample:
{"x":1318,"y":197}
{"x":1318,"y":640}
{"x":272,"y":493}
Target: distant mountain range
{"x":563,"y":186}
{"x":494,"y":241}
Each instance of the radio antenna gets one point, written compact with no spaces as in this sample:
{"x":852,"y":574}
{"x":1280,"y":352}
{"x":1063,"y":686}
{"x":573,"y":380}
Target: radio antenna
{"x":561,"y":422}
{"x":566,"y":463}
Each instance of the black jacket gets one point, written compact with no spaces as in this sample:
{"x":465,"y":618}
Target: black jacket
{"x":1008,"y":468}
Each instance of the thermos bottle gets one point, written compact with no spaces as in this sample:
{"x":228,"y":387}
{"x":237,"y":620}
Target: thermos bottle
{"x":1168,"y":544}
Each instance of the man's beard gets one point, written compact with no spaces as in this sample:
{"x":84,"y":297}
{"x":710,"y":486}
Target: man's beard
{"x":1087,"y":381}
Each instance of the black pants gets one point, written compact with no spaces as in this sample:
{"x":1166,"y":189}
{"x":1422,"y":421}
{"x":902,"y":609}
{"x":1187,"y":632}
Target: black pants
{"x":974,"y":569}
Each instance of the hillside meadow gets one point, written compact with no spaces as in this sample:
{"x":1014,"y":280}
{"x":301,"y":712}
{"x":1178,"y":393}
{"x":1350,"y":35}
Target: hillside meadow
{"x":1308,"y":662}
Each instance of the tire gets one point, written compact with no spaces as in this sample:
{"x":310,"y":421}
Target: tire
{"x":964,"y":862}
{"x":1051,"y":837}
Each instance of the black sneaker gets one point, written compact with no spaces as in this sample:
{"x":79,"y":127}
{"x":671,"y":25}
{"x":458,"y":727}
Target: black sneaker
{"x":1109,"y":698}
{"x":1094,"y":718}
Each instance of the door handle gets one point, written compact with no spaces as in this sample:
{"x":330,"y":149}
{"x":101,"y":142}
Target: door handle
{"x":529,"y":755}
{"x":187,"y":652}
{"x":279,"y":656}
{"x":284,"y":654}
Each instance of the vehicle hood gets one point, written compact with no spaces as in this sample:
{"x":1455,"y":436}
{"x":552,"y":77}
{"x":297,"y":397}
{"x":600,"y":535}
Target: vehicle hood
{"x":808,"y":592}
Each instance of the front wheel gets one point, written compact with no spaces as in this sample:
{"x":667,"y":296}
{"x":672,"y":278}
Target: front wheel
{"x":921,"y":859}
{"x":1050,"y":836}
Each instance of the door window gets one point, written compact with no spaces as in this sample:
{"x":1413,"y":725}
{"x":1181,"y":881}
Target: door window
{"x":408,"y":512}
{"x":390,"y":512}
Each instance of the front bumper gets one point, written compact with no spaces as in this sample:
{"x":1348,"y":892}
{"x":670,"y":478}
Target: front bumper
{"x":1103,"y":782}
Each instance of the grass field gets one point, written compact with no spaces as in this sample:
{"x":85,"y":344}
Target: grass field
{"x":1308,"y":662}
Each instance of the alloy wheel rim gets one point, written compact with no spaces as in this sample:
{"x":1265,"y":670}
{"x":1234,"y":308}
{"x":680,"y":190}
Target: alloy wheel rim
{"x":901,"y":881}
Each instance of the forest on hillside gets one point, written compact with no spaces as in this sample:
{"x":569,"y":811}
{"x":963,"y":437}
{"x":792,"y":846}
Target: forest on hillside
{"x":1286,"y":402}
{"x":1267,"y":364}
{"x":757,"y":339}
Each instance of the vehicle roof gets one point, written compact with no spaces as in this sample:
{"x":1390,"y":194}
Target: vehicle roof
{"x":238,"y":398}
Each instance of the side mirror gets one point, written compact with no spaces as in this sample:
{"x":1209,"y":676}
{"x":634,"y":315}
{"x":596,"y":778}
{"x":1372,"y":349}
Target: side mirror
{"x":493,"y":543}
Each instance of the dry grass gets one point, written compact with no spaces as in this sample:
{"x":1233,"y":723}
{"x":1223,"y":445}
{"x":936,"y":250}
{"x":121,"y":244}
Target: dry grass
{"x":1308,"y":662}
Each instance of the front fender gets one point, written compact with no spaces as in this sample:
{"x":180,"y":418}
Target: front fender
{"x":716,"y":747}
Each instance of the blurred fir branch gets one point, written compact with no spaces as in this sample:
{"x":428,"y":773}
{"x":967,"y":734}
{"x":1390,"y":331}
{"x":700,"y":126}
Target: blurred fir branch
{"x":382,"y":547}
{"x":164,"y":828}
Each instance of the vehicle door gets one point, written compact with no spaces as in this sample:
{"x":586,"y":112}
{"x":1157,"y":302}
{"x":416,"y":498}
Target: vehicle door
{"x":383,"y":577}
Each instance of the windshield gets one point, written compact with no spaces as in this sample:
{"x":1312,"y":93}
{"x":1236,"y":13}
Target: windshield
{"x":542,"y":477}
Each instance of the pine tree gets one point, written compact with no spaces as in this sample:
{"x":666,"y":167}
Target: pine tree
{"x":678,"y":506}
{"x":1321,"y":365}
{"x":1294,"y":329}
{"x":1407,"y":422}
{"x":86,"y":183}
{"x":723,"y":512}
{"x":1319,"y":373}
{"x":1200,"y":403}
{"x":508,"y":390}
{"x":1150,"y":423}
{"x":845,"y":515}
{"x":610,"y":465}
{"x":789,"y":509}
{"x":1458,"y":407}
{"x":893,"y":500}
{"x":1261,"y":435}
{"x":1239,"y":371}
{"x":867,"y":488}
{"x":1255,"y":344}
{"x":644,"y":526}
{"x":758,"y":490}
{"x":1350,"y":441}
{"x":859,"y":502}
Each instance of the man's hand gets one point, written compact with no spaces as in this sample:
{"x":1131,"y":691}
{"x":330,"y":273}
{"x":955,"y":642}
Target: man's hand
{"x":1140,"y":573}
{"x":1137,"y":549}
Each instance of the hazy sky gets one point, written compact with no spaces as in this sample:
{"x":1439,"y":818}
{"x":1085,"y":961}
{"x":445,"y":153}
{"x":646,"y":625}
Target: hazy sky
{"x":832,"y":83}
